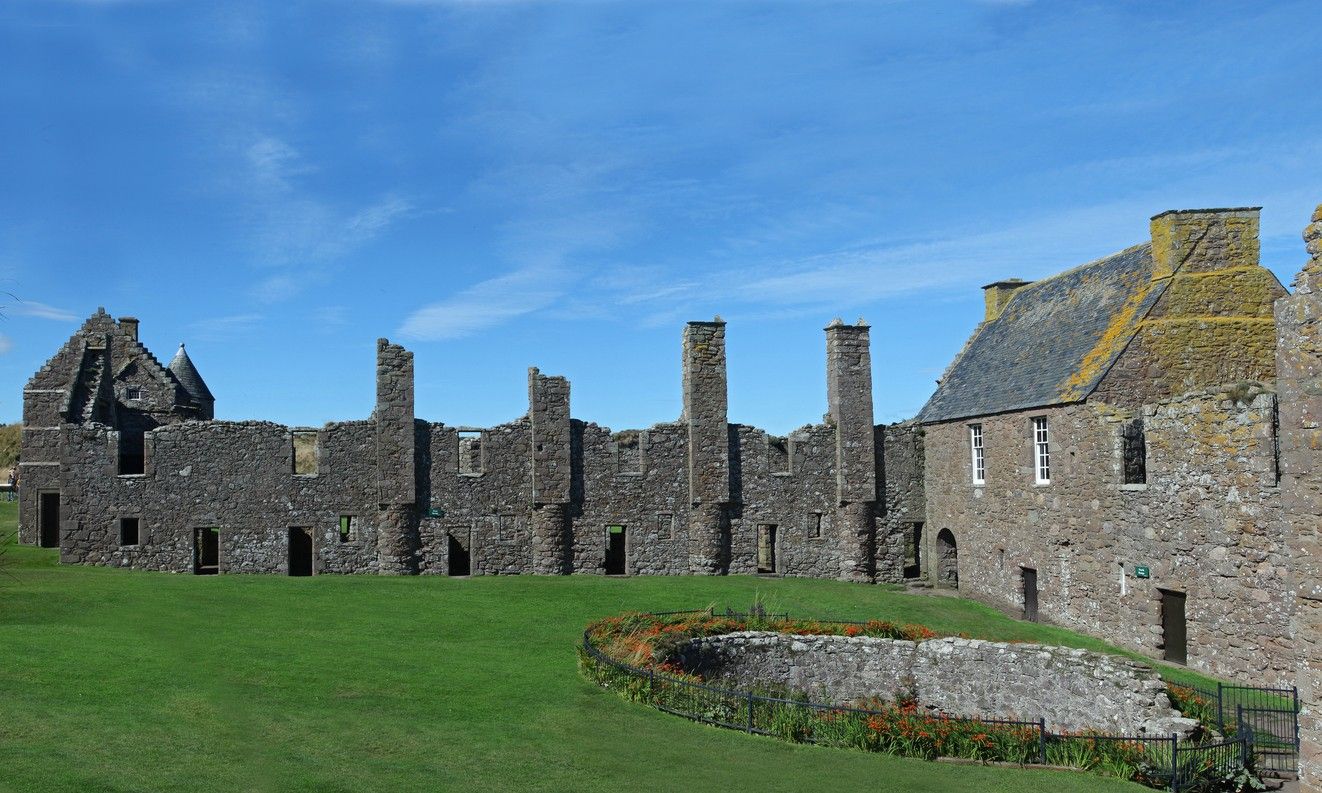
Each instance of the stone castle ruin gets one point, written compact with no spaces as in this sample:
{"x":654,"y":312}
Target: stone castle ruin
{"x":1129,"y":448}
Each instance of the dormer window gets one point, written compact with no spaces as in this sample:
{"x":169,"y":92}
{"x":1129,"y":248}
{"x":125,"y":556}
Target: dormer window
{"x":133,"y":394}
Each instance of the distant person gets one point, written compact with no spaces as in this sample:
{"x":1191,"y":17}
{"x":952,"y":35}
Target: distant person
{"x":13,"y":484}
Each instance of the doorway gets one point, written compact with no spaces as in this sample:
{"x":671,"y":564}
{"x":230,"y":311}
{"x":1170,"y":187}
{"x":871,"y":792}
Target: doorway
{"x":1174,"y":632}
{"x":48,"y":520}
{"x":947,"y":560}
{"x":766,"y":548}
{"x":300,"y":551}
{"x":1029,"y":576}
{"x":913,"y":551}
{"x":459,"y":561}
{"x":206,"y":551}
{"x":615,"y":550}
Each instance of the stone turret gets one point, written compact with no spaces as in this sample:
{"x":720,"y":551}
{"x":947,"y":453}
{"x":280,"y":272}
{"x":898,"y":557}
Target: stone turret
{"x":186,"y":373}
{"x":706,"y":413}
{"x":1299,"y":388}
{"x":849,"y":394}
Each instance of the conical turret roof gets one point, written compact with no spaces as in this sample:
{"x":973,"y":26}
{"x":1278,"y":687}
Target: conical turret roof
{"x":186,"y":373}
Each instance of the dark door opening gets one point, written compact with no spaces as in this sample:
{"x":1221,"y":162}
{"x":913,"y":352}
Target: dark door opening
{"x":614,"y":550}
{"x":300,"y":551}
{"x":766,"y":548}
{"x":459,"y":561}
{"x":1173,"y":630}
{"x":48,"y":520}
{"x":913,"y":551}
{"x":1029,"y":576}
{"x":206,"y":551}
{"x":947,"y":559}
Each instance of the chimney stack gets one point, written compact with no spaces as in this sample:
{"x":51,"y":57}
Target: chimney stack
{"x":998,"y":293}
{"x":129,"y":327}
{"x":1203,"y":240}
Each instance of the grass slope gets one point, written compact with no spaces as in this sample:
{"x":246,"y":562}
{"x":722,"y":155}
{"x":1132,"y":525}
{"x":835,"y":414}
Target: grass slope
{"x":115,"y":680}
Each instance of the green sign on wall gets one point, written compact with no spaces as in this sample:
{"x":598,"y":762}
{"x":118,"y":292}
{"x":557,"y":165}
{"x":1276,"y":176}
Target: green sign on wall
{"x":434,"y":512}
{"x":1142,"y":572}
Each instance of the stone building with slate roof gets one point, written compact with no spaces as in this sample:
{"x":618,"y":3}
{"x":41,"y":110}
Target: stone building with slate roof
{"x":1103,"y":452}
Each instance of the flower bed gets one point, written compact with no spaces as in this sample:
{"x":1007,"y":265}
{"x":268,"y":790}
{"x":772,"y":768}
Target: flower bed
{"x":635,"y":655}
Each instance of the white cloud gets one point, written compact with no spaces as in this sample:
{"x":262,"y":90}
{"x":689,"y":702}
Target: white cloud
{"x":31,"y":308}
{"x":6,"y":344}
{"x":225,"y":328}
{"x":486,"y":304}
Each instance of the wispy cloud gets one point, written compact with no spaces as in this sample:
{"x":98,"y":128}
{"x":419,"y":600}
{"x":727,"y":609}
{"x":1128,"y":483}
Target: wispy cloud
{"x":225,"y":328}
{"x":486,"y":304}
{"x":31,"y":308}
{"x":6,"y":344}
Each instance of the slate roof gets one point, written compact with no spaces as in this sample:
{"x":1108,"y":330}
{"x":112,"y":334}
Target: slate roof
{"x":1054,"y":341}
{"x":183,"y":370}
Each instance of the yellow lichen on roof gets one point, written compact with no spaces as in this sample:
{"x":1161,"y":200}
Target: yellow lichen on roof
{"x":1118,"y":332}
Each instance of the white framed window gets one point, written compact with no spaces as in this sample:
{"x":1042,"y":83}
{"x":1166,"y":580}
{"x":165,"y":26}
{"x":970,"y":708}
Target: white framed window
{"x":133,"y":394}
{"x":979,"y":461}
{"x":1041,"y":451}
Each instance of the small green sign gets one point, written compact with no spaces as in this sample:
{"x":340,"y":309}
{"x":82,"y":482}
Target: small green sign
{"x":434,"y":512}
{"x":1142,"y":572}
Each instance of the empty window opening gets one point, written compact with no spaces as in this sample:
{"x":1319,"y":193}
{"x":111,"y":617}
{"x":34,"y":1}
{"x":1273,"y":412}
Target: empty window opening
{"x":206,"y":551}
{"x":813,"y":525}
{"x":1174,"y":632}
{"x":979,"y":461}
{"x":1028,"y":575}
{"x":348,"y":528}
{"x":779,"y":454}
{"x":628,"y":452}
{"x":458,"y":561}
{"x":470,"y":452}
{"x":913,"y":551}
{"x":1134,"y":453}
{"x":300,"y":551}
{"x":133,"y":394}
{"x":766,"y":548}
{"x":615,"y":550}
{"x":665,"y":526}
{"x":48,"y":520}
{"x":128,"y":531}
{"x":947,"y":560}
{"x":305,"y":452}
{"x":132,"y":456}
{"x":1041,"y":451}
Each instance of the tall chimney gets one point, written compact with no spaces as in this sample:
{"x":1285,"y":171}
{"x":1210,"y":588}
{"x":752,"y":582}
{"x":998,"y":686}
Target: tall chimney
{"x":129,"y":327}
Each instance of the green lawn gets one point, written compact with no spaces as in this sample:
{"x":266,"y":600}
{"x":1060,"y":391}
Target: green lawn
{"x":115,"y":680}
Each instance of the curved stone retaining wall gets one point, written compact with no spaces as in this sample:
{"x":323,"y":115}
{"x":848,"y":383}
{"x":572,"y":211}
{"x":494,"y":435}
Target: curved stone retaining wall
{"x":1072,"y":689}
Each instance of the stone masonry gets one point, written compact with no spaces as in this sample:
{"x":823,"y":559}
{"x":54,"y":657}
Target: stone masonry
{"x":1299,"y":383}
{"x":1071,"y":689}
{"x":397,"y":495}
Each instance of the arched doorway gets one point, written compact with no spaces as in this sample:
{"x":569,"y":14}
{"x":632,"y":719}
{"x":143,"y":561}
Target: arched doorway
{"x":947,"y":560}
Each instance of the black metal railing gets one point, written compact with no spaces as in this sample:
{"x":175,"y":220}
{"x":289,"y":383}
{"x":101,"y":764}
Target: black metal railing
{"x":1164,"y":762}
{"x":1270,"y":714}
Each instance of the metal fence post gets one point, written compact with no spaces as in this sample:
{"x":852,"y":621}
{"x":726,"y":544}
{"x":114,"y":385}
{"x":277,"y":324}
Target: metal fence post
{"x":1175,"y":762}
{"x":1220,"y":708}
{"x":750,"y":711}
{"x":1042,"y":739}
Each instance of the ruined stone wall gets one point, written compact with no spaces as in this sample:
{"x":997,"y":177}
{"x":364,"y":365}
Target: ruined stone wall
{"x":1299,"y":362}
{"x":902,"y":500}
{"x":1207,"y":523}
{"x":235,"y":476}
{"x":535,"y":495}
{"x":1071,"y":689}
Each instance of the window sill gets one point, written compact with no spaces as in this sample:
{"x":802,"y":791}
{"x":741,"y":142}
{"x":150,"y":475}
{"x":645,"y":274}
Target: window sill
{"x":628,"y":473}
{"x":782,"y":473}
{"x":131,"y":476}
{"x":470,"y":474}
{"x":305,"y":476}
{"x":1042,"y":484}
{"x":1135,"y":488}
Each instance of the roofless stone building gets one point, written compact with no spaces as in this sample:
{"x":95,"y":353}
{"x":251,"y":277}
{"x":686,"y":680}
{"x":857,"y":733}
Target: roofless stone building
{"x":1130,"y":448}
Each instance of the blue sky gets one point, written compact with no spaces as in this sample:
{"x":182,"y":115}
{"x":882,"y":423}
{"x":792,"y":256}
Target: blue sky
{"x":505,"y":184}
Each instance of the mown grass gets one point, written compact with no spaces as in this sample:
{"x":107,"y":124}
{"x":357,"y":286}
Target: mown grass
{"x":114,"y":680}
